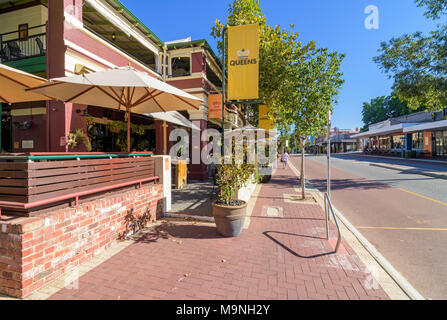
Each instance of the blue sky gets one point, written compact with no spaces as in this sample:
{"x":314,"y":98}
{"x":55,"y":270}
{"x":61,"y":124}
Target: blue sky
{"x":335,"y":24}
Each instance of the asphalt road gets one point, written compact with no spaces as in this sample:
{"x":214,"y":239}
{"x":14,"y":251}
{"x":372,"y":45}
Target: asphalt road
{"x":403,"y":215}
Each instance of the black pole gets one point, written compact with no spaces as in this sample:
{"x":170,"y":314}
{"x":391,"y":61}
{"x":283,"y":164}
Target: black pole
{"x":224,"y":65}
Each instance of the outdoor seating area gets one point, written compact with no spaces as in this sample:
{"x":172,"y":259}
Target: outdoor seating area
{"x":21,"y":45}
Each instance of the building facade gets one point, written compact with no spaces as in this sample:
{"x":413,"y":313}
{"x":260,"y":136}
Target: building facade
{"x":341,"y":141}
{"x":419,"y":134}
{"x":57,"y":38}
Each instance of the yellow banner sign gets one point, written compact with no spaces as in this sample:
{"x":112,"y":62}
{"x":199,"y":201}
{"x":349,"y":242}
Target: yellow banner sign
{"x":243,"y":62}
{"x":264,"y":120}
{"x":215,"y":106}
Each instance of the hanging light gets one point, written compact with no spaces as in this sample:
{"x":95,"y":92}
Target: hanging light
{"x":113,"y":36}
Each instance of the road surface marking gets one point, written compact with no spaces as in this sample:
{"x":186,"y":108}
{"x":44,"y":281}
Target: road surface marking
{"x":412,"y":229}
{"x":424,"y":197}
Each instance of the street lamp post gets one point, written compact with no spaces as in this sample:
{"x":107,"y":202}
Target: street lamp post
{"x":224,"y":63}
{"x":329,"y":153}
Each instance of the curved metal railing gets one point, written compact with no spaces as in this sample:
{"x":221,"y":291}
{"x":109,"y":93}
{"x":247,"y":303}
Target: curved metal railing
{"x":329,"y":207}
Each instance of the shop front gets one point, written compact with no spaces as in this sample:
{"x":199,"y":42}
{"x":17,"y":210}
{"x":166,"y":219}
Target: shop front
{"x":440,"y":143}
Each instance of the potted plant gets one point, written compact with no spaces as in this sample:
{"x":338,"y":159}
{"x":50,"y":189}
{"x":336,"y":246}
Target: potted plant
{"x":79,"y":137}
{"x":265,"y":172}
{"x":229,"y":212}
{"x":116,"y":126}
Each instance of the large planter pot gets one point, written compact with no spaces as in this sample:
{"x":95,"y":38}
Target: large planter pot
{"x":229,"y":220}
{"x":266,"y":174}
{"x":266,"y":179}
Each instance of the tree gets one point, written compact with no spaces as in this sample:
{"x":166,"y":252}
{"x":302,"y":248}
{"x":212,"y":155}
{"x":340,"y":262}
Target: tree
{"x":382,"y":108}
{"x":435,"y":8}
{"x":312,"y":87}
{"x":278,"y":48}
{"x":418,"y":62}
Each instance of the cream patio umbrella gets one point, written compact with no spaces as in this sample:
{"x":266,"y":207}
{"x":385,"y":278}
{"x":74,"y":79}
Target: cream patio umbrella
{"x":123,"y":89}
{"x":13,"y":83}
{"x":251,"y":131}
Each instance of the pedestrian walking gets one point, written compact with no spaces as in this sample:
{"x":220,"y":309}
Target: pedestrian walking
{"x":285,"y":159}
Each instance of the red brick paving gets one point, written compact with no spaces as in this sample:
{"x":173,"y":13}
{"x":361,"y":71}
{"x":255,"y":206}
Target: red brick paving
{"x":285,"y":258}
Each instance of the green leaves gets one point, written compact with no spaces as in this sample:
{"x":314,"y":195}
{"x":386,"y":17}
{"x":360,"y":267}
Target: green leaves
{"x":382,"y":108}
{"x":231,"y":178}
{"x":278,"y":47}
{"x":435,"y":8}
{"x":310,"y":91}
{"x":418,"y":63}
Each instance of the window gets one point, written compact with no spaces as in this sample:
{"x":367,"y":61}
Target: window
{"x":385,"y":143}
{"x":23,"y":31}
{"x":181,"y":66}
{"x":396,"y":142}
{"x":418,"y":140}
{"x":441,"y":143}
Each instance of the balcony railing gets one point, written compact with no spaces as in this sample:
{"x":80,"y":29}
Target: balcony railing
{"x":13,"y":47}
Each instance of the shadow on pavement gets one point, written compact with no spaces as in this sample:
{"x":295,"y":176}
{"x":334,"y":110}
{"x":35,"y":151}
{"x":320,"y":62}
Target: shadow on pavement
{"x":268,"y":235}
{"x":194,"y":199}
{"x":179,"y":231}
{"x":393,"y":161}
{"x":340,"y":184}
{"x":287,"y":218}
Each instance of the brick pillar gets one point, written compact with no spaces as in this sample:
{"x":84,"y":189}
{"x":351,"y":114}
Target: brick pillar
{"x":55,"y":68}
{"x":428,"y":144}
{"x":60,"y":115}
{"x":197,"y":170}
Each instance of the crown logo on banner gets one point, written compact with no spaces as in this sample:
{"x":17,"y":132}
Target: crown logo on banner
{"x":243,"y":54}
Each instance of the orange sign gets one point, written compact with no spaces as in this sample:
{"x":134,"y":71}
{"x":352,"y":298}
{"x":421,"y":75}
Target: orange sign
{"x":215,"y":106}
{"x":264,"y":120}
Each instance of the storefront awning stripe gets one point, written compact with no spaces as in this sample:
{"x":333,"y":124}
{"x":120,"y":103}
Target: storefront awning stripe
{"x":427,"y":126}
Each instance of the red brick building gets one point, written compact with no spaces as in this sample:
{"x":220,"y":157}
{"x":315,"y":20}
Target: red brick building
{"x":54,"y":38}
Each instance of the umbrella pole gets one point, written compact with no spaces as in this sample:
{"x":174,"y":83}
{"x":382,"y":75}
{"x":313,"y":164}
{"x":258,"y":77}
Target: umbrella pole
{"x":128,"y":130}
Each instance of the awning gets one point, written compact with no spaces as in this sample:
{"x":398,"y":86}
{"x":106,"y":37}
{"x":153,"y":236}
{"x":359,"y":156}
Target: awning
{"x":427,"y":126}
{"x":174,"y":117}
{"x":398,"y":128}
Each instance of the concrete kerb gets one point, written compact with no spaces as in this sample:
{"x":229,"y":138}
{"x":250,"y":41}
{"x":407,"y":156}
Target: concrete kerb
{"x":392,"y":282}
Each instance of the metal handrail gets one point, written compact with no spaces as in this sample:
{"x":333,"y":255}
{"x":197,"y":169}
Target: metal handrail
{"x":328,"y":205}
{"x":16,"y":31}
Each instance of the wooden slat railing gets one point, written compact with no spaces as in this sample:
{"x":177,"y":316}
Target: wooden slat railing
{"x":28,"y":182}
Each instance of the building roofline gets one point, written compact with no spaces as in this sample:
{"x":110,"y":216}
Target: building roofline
{"x":138,"y":22}
{"x":195,"y":43}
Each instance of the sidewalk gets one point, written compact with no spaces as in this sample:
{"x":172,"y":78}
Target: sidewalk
{"x":282,"y":255}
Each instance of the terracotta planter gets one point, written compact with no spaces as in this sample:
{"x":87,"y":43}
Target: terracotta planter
{"x":229,"y":220}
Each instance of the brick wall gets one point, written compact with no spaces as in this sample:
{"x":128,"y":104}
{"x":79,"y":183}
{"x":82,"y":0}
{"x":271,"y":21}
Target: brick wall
{"x":35,"y":251}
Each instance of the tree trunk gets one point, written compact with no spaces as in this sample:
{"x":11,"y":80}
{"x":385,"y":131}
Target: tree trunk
{"x":303,"y":175}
